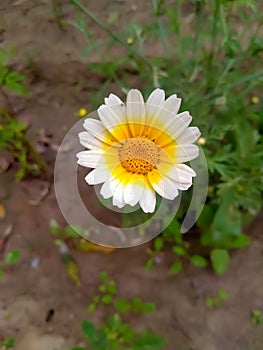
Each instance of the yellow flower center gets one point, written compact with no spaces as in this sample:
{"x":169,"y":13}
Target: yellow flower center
{"x":139,"y":155}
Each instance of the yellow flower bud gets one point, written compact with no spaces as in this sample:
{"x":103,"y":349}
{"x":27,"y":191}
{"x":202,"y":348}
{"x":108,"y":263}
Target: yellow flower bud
{"x":129,"y":41}
{"x":210,"y":189}
{"x":82,"y":112}
{"x":255,"y":100}
{"x":202,"y":141}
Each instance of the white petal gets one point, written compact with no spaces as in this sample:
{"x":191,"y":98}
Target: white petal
{"x":178,"y":172}
{"x":182,"y":176}
{"x":133,"y":190}
{"x":165,"y":187}
{"x":90,"y":159}
{"x":105,"y":190}
{"x":184,"y":170}
{"x":190,"y":135}
{"x":154,"y":102}
{"x":148,"y":200}
{"x":98,"y":175}
{"x":118,"y":203}
{"x":185,"y":116}
{"x":172,"y":127}
{"x":94,"y":127}
{"x":171,"y":105}
{"x":185,"y":153}
{"x":135,"y":111}
{"x":112,"y":116}
{"x":113,"y":100}
{"x":89,"y":141}
{"x":117,"y":190}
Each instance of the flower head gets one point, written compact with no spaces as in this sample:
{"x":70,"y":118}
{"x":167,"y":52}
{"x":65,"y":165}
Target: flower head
{"x":138,"y":149}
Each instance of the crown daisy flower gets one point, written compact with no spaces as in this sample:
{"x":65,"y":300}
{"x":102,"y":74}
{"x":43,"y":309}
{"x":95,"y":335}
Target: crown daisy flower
{"x":138,"y":149}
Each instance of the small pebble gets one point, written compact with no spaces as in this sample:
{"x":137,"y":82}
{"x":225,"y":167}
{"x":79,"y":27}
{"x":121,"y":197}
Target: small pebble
{"x":35,"y":262}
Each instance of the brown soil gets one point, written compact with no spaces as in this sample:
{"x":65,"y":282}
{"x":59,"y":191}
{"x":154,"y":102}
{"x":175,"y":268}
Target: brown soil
{"x":60,"y":84}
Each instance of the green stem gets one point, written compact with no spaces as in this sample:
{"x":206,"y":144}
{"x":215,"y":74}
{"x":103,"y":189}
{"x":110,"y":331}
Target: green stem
{"x":210,"y":70}
{"x":197,"y":29}
{"x":223,"y":23}
{"x":178,"y":19}
{"x":196,"y":40}
{"x":157,"y":13}
{"x":214,"y":32}
{"x":34,"y":155}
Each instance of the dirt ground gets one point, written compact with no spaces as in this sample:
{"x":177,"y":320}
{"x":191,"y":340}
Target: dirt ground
{"x":59,"y":85}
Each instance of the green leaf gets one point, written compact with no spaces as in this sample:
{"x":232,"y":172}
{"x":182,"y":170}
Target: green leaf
{"x":176,"y":268}
{"x":102,"y":288}
{"x":206,"y":216}
{"x":148,"y":341}
{"x":13,"y":81}
{"x":54,"y":228}
{"x":114,"y":321}
{"x":111,"y":288}
{"x":209,"y":302}
{"x":89,"y":330}
{"x":104,"y":276}
{"x":227,"y":219}
{"x":241,"y":242}
{"x":122,"y":305}
{"x":137,"y":304}
{"x":257,"y":317}
{"x":1,"y":273}
{"x":158,"y":243}
{"x":74,"y":231}
{"x":222,"y":294}
{"x":106,"y":299}
{"x":148,"y":307}
{"x":78,"y":348}
{"x":9,"y":342}
{"x":3,"y":56}
{"x":12,"y":257}
{"x":91,"y":307}
{"x":173,"y":231}
{"x":149,"y":264}
{"x":179,"y":250}
{"x":198,"y":261}
{"x":219,"y":260}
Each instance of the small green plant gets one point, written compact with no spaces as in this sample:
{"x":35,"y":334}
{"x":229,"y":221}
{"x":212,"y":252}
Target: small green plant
{"x":213,"y":302}
{"x":107,"y":295}
{"x":257,"y":317}
{"x":10,"y":79}
{"x":116,"y":335}
{"x":180,"y":248}
{"x":107,"y":290}
{"x":12,"y":131}
{"x":13,"y":139}
{"x":10,"y":258}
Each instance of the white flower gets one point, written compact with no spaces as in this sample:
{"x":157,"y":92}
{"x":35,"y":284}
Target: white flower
{"x":137,"y":149}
